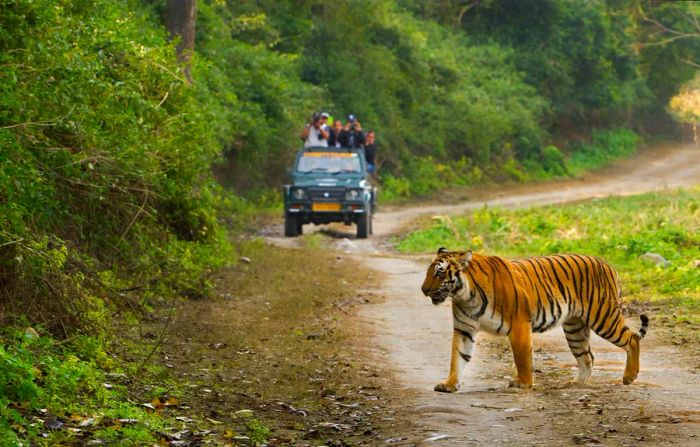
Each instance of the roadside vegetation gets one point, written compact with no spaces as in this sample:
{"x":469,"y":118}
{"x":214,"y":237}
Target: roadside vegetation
{"x":107,"y":205}
{"x":620,"y":230}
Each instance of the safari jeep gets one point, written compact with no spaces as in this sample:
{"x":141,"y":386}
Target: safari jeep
{"x":329,"y":185}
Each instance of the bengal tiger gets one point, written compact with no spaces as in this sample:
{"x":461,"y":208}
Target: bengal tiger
{"x":516,"y":298}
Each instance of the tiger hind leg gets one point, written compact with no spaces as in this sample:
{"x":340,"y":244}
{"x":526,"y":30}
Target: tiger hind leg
{"x":616,"y":332}
{"x":578,"y":337}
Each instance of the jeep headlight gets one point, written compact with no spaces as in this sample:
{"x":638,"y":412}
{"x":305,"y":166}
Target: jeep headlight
{"x":352,"y":194}
{"x":298,"y":193}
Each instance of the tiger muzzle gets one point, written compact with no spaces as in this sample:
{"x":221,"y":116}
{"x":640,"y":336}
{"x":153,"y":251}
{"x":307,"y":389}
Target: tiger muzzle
{"x":438,"y":298}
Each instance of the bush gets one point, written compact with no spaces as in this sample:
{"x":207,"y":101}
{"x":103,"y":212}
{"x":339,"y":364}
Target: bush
{"x":605,"y":146}
{"x":64,"y":381}
{"x":553,"y":161}
{"x":105,"y":157}
{"x":423,"y":176}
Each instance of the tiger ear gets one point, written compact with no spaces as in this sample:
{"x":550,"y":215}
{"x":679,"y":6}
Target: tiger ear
{"x":465,"y":259}
{"x":442,"y":250}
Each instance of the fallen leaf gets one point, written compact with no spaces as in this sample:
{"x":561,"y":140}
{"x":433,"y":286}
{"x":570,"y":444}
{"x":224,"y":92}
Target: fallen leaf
{"x":53,"y":423}
{"x":128,"y":421}
{"x":87,"y":422}
{"x":157,"y":404}
{"x":437,"y":438}
{"x":243,"y":413}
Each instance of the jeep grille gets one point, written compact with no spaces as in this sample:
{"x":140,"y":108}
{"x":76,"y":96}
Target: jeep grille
{"x":326,"y":194}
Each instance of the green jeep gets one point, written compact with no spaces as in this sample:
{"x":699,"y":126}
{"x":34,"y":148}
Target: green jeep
{"x":329,"y":185}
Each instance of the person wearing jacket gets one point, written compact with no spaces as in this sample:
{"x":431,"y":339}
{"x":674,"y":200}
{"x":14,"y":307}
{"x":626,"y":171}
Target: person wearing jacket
{"x":352,"y":136}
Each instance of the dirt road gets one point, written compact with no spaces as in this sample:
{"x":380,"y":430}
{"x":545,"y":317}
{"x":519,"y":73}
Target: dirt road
{"x":661,"y":408}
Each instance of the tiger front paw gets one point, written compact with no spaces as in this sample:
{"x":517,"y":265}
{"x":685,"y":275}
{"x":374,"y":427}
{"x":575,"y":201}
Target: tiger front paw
{"x":626,"y":380}
{"x":517,"y":383}
{"x":444,"y":387}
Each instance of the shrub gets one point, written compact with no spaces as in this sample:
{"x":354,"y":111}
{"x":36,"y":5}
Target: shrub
{"x":605,"y":146}
{"x":105,"y":157}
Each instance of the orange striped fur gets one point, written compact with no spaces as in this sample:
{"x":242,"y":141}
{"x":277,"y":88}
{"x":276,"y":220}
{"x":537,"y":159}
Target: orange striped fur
{"x":516,"y":298}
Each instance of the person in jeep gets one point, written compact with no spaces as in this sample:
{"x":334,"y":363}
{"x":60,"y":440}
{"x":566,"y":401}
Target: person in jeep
{"x":334,"y":134}
{"x":370,"y":152}
{"x":314,"y":133}
{"x":352,"y":136}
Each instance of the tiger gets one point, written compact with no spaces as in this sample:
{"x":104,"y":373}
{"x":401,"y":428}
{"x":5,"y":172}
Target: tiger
{"x":515,"y":298}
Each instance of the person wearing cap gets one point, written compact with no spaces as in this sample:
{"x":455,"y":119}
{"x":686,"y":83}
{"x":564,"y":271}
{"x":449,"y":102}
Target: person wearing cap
{"x":352,"y":135}
{"x":314,"y":134}
{"x":324,"y":121}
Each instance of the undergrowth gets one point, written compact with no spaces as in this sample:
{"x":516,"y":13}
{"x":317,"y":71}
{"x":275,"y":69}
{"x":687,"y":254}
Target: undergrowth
{"x":54,"y":393}
{"x":107,"y":205}
{"x":426,"y":177}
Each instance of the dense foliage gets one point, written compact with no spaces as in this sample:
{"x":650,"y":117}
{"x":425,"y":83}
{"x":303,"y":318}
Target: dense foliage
{"x":65,"y":384}
{"x":106,"y":156}
{"x":472,"y":89}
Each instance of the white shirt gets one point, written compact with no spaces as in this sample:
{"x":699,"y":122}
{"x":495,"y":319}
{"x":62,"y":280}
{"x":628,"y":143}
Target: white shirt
{"x":315,"y":139}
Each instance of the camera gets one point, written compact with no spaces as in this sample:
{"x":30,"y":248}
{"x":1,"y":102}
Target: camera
{"x":316,"y":120}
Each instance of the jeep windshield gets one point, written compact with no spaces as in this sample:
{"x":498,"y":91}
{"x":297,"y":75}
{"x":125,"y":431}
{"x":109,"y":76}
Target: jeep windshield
{"x":329,"y":163}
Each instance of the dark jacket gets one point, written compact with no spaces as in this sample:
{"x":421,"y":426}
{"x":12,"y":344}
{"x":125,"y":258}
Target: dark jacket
{"x":371,"y":153}
{"x":352,"y":138}
{"x":333,"y":137}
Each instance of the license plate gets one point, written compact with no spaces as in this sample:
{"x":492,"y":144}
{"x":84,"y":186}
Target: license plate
{"x":326,"y":207}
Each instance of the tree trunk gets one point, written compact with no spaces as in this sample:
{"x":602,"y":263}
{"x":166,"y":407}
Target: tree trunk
{"x":180,"y":19}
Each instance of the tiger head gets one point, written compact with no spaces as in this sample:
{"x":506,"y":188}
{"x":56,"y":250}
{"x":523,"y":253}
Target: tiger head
{"x":444,"y":276}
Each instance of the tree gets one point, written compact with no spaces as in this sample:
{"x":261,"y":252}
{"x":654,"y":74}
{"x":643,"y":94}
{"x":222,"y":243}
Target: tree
{"x":180,"y":19}
{"x":686,"y":108}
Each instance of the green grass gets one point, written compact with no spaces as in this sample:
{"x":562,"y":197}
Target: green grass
{"x":44,"y":382}
{"x":617,"y":229}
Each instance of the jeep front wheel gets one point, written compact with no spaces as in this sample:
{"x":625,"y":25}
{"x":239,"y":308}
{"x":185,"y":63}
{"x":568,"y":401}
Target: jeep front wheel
{"x":291,"y":226}
{"x":363,"y":225}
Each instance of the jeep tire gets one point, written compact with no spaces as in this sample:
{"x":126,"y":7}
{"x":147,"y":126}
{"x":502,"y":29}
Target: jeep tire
{"x":291,"y":226}
{"x":364,"y":225}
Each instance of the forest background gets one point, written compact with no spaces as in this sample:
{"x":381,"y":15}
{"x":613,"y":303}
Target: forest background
{"x":119,"y":176}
